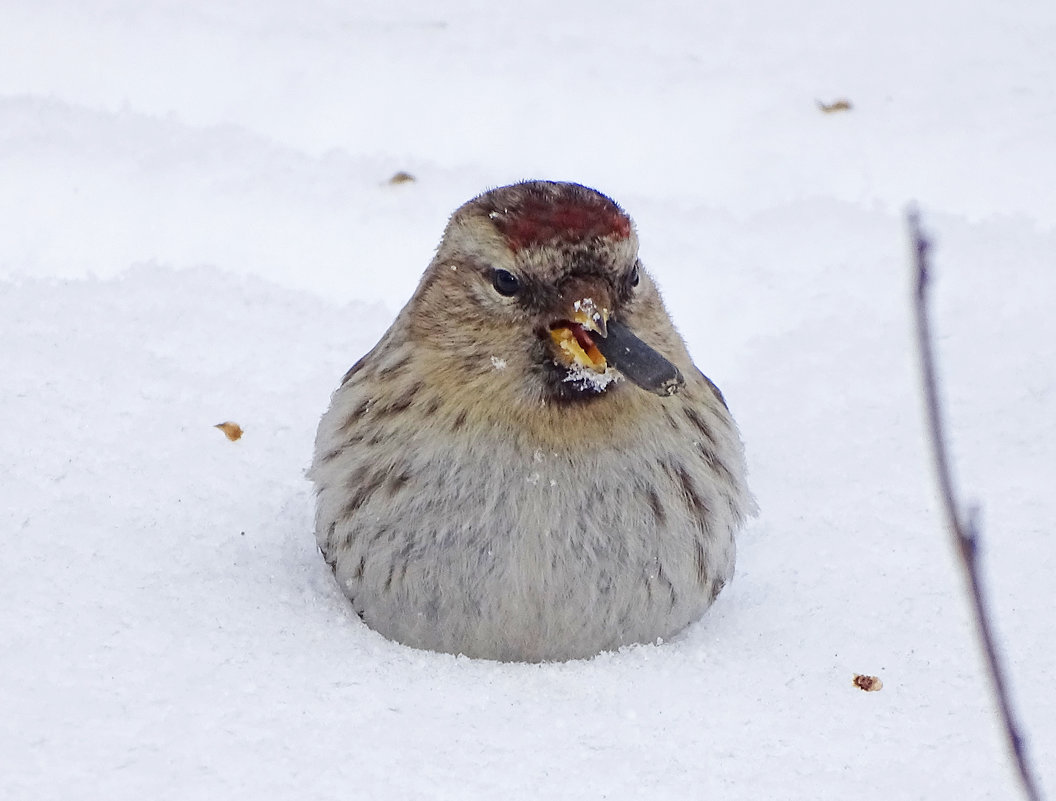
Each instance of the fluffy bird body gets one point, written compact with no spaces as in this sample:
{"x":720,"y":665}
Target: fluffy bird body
{"x":481,"y":491}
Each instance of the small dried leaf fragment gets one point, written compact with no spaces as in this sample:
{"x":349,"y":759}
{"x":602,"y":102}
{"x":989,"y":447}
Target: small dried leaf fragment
{"x":870,"y":684}
{"x":233,"y":431}
{"x":402,"y":178}
{"x":836,"y":105}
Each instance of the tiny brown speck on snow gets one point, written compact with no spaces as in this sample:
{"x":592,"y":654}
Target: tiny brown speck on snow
{"x":870,"y":684}
{"x":837,"y":105}
{"x":233,"y":431}
{"x":401,"y":178}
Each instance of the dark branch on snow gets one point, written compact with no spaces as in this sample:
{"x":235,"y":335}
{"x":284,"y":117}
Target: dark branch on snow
{"x":963,"y":528}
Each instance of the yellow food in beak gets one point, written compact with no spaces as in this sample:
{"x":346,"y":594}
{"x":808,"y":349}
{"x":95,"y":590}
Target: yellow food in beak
{"x":573,"y":341}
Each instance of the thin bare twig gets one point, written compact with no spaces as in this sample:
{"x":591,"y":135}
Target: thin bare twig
{"x":963,"y":528}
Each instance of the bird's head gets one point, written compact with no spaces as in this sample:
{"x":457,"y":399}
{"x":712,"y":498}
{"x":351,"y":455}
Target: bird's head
{"x":543,"y":279}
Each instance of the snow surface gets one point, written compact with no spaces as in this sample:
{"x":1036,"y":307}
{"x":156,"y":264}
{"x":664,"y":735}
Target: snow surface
{"x":197,"y":226}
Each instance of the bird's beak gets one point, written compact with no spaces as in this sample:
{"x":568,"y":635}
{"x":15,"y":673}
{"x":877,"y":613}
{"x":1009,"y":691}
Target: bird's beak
{"x":572,"y":337}
{"x":581,"y":318}
{"x":587,"y":337}
{"x":640,"y":363}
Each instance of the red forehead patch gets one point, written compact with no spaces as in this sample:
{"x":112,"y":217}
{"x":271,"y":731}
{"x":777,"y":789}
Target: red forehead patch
{"x":546,"y":220}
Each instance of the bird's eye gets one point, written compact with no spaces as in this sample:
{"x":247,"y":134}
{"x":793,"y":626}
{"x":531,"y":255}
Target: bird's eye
{"x":635,"y":276}
{"x":505,"y":282}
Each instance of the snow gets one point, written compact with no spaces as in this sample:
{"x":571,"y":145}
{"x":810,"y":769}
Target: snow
{"x":588,"y":378}
{"x":589,"y":309}
{"x":198,"y":226}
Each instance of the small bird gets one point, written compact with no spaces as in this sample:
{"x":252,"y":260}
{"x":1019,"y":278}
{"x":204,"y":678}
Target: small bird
{"x":528,"y":466}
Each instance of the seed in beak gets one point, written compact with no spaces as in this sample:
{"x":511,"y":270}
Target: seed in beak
{"x":575,"y":346}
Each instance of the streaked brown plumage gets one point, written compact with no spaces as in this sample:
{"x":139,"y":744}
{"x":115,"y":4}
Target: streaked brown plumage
{"x":528,"y":466}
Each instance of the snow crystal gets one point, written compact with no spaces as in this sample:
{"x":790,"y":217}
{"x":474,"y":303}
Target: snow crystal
{"x":589,"y":308}
{"x":585,"y":378}
{"x":497,"y":363}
